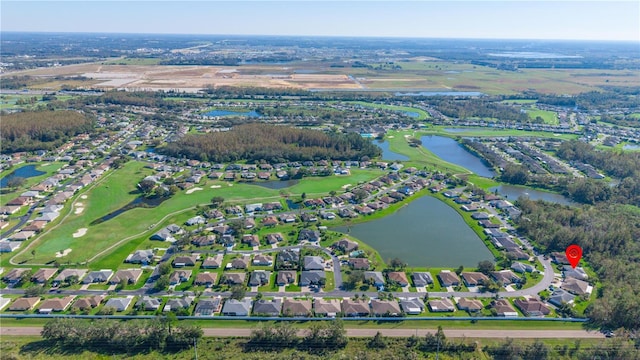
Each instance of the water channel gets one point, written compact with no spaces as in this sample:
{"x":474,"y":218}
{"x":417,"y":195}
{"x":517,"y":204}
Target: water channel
{"x":426,"y":232}
{"x":387,"y":154}
{"x":450,"y":151}
{"x":23,"y":172}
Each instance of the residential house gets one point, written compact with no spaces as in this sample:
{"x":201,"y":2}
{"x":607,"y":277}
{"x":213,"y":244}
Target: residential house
{"x":205,"y":240}
{"x":313,"y":263}
{"x":119,"y":303}
{"x":287,"y":218}
{"x":129,"y":276}
{"x":522,"y":268}
{"x":88,"y":303}
{"x":355,"y":308}
{"x":196,"y":220}
{"x":385,"y":308}
{"x":345,"y":245}
{"x":292,"y":307}
{"x":470,"y":305}
{"x":233,"y":278}
{"x":179,"y":276}
{"x":328,"y":308}
{"x":503,"y":308}
{"x":9,"y":246}
{"x":577,"y":273}
{"x":178,"y":304}
{"x":182,"y":261}
{"x":267,"y":307}
{"x":43,"y":275}
{"x":270,"y":221}
{"x":212,"y":262}
{"x":412,"y":306}
{"x":312,"y":277}
{"x":233,"y":307}
{"x":239,"y":263}
{"x":99,"y":276}
{"x":259,"y":278}
{"x":262,"y":260}
{"x":577,"y":287}
{"x":208,"y":306}
{"x":251,"y":239}
{"x":532,"y":307}
{"x":560,"y":296}
{"x":55,"y":304}
{"x":359,"y":263}
{"x":206,"y":278}
{"x":374,"y":277}
{"x":309,"y":235}
{"x":505,"y":277}
{"x":441,"y":305}
{"x":67,"y":274}
{"x":274,"y":238}
{"x":148,"y":303}
{"x":448,"y":278}
{"x":24,"y":304}
{"x":286,"y":277}
{"x":474,"y":278}
{"x":421,"y":279}
{"x":288,"y":260}
{"x":249,"y":223}
{"x":143,"y":257}
{"x":398,"y":277}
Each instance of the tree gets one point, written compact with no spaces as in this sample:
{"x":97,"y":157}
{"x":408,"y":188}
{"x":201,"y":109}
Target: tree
{"x":34,"y":291}
{"x":486,"y":266}
{"x":15,"y":182}
{"x":238,"y":292}
{"x":377,"y":342}
{"x":397,"y":264}
{"x":33,"y":253}
{"x":303,"y":196}
{"x":164,"y":268}
{"x":162,"y":283}
{"x":460,"y":269}
{"x":355,"y":278}
{"x":216,"y":201}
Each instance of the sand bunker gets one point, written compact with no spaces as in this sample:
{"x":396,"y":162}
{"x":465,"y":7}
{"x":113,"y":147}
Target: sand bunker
{"x":390,"y":136}
{"x":78,"y":210}
{"x":64,"y":253}
{"x":80,"y":232}
{"x":215,"y":186}
{"x":83,"y":197}
{"x":345,"y":186}
{"x":230,"y":184}
{"x":190,"y":191}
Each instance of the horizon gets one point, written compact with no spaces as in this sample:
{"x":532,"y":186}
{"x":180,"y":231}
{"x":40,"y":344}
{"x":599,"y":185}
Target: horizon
{"x":316,"y":36}
{"x":428,"y":19}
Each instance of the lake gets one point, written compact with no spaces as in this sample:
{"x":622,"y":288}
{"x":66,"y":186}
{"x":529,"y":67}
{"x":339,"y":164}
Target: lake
{"x":512,"y":193}
{"x":426,"y":232}
{"x":215,"y":113}
{"x":388,"y":154}
{"x":450,"y":151}
{"x":23,"y":172}
{"x":275,"y":184}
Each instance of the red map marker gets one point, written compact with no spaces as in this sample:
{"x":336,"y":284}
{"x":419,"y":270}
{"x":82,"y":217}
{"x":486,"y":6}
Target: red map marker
{"x":574,"y":253}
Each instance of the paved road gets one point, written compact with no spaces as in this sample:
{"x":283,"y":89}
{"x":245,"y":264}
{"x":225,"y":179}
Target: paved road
{"x":359,"y":332}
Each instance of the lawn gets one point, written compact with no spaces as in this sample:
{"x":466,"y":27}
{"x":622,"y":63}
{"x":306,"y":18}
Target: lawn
{"x":422,"y":115}
{"x":549,"y":117}
{"x":322,"y":185}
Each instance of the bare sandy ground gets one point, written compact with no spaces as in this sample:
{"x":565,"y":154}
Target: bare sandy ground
{"x":62,"y":254}
{"x":85,"y":196}
{"x":453,"y":333}
{"x":80,"y":232}
{"x":191,"y":191}
{"x":345,"y":186}
{"x":79,"y":208}
{"x":215,"y":186}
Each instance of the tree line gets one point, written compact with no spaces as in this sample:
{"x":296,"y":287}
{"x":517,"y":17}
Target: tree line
{"x":41,"y":130}
{"x":112,"y":336}
{"x":271,"y":143}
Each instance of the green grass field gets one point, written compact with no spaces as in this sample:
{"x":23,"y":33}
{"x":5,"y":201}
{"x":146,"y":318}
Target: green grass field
{"x":549,"y":117}
{"x":422,"y":115}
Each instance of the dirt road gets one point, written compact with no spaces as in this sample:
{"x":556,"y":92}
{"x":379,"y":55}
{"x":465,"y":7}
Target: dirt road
{"x":452,"y":333}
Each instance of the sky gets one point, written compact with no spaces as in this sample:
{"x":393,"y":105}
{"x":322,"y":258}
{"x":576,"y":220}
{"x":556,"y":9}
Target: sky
{"x":514,"y":19}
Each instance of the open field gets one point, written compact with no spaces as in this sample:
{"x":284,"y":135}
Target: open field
{"x":439,"y":76}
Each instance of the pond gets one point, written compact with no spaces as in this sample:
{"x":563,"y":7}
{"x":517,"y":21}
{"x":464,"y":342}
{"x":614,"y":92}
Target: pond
{"x":214,"y":113}
{"x":23,"y":172}
{"x":276,"y":184}
{"x":631,"y":147}
{"x":388,"y":154}
{"x":426,"y":232}
{"x":450,"y":151}
{"x":512,"y":193}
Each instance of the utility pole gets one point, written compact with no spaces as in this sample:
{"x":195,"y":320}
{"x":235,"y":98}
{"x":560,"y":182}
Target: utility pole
{"x":195,"y":348}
